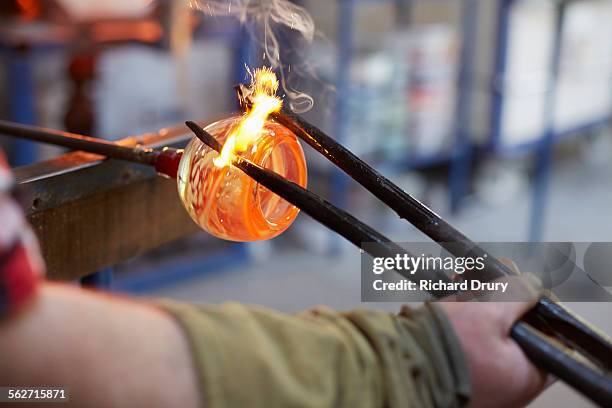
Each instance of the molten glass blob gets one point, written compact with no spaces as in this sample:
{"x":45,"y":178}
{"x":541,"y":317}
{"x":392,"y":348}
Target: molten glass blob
{"x":225,"y":201}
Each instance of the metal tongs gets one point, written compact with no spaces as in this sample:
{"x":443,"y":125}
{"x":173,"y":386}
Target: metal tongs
{"x":553,"y":338}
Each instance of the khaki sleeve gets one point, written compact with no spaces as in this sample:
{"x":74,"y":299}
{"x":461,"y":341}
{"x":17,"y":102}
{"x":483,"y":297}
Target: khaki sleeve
{"x":248,"y":356}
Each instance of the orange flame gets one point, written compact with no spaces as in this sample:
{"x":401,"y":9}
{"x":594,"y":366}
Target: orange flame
{"x":263,"y":93}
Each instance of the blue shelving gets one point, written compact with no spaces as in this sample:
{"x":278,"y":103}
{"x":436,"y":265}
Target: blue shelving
{"x":542,"y":145}
{"x":463,"y":149}
{"x":460,"y":155}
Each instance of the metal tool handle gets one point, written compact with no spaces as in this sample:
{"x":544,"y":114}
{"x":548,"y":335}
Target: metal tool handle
{"x":78,"y":142}
{"x":589,"y":381}
{"x":165,"y":160}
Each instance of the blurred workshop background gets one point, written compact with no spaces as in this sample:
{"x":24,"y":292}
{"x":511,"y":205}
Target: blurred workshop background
{"x":495,"y":113}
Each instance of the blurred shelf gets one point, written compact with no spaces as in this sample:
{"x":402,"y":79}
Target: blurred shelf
{"x":521,"y":149}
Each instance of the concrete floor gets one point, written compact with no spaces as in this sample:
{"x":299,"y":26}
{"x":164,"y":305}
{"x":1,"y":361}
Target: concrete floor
{"x":293,"y":279}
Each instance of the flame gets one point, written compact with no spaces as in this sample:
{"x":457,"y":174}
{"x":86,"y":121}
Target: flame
{"x":263,"y":89}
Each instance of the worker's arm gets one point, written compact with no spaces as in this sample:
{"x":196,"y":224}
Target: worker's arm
{"x":110,"y":351}
{"x":115,"y":352}
{"x":440,"y":355}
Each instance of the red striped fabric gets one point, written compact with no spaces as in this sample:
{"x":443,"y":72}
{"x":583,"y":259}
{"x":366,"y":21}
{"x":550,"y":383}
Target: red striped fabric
{"x":21,"y":266}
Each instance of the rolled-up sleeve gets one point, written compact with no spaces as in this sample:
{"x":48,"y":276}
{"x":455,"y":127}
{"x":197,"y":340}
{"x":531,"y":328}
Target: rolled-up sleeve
{"x":255,"y":357}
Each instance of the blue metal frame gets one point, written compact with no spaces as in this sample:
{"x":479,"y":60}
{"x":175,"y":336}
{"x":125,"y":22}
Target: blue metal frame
{"x":345,"y":54}
{"x":22,"y":107}
{"x":545,"y":147}
{"x":542,"y":146}
{"x":462,"y":153}
{"x":499,"y":73}
{"x":495,"y":143}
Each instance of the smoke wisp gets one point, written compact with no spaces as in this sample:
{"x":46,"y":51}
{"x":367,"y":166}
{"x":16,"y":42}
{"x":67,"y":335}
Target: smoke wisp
{"x":267,"y":17}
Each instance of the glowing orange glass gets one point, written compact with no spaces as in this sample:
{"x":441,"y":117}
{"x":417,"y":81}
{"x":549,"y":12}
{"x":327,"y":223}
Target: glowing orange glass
{"x":226,"y":202}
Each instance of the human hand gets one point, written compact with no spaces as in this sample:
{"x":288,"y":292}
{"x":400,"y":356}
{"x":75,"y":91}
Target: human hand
{"x":500,"y":373}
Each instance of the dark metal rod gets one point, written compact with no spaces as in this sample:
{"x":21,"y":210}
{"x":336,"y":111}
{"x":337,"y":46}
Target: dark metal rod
{"x":406,"y":206}
{"x":432,"y":225}
{"x":591,"y":383}
{"x":540,"y":349}
{"x":79,"y":142}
